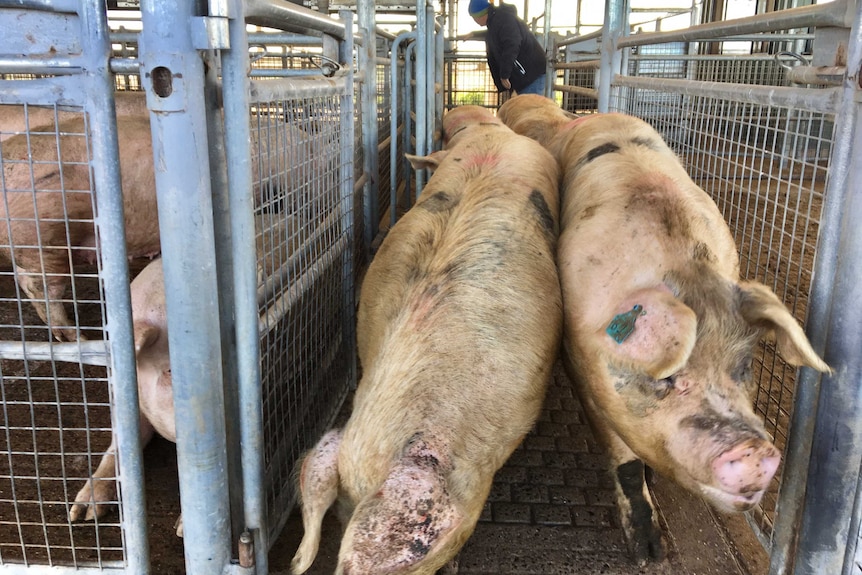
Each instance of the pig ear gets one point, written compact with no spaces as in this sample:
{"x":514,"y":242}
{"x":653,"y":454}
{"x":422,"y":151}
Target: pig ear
{"x":145,"y":335}
{"x":652,"y":332}
{"x":410,"y":520}
{"x":431,"y":161}
{"x":760,"y":307}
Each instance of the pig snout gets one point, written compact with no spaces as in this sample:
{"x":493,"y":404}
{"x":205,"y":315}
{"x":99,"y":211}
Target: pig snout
{"x":745,"y":470}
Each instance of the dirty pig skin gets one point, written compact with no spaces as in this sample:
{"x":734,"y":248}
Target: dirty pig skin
{"x":459,"y":324}
{"x":660,"y":331}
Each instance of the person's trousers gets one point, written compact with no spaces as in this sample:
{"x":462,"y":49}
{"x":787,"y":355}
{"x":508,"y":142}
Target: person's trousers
{"x":537,"y":86}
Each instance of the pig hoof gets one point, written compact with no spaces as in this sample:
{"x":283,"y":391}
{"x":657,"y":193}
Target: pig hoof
{"x":179,"y":526}
{"x":646,"y":547}
{"x":450,"y":568}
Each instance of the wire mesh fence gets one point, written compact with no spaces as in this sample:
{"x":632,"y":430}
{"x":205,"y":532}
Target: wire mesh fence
{"x":303,"y":236}
{"x":55,"y":406}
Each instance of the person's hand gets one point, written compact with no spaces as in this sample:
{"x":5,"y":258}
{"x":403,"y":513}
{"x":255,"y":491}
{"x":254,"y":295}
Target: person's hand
{"x":506,"y":83}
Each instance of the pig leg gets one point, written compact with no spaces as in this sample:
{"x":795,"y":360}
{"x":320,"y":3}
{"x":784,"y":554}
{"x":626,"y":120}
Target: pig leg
{"x":318,"y":488}
{"x":409,"y":522}
{"x":47,"y":303}
{"x":92,"y":500}
{"x":637,"y":513}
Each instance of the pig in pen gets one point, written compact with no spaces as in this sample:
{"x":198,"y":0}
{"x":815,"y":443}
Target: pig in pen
{"x":659,"y":331}
{"x":459,"y":312}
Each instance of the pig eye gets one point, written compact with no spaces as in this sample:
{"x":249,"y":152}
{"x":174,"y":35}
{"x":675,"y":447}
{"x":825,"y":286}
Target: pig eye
{"x":663,"y":386}
{"x":742,"y":373}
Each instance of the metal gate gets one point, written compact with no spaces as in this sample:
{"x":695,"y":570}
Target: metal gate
{"x":258,"y":245}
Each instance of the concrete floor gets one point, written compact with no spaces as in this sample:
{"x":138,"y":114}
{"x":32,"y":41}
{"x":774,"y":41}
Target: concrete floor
{"x":551,"y":512}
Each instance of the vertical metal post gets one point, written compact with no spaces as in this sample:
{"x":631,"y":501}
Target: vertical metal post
{"x":609,"y":62}
{"x":115,"y":277}
{"x":393,"y":124}
{"x":438,"y":82}
{"x":370,"y":136}
{"x":834,"y":319}
{"x":235,"y":82}
{"x":346,"y":175}
{"x":408,"y":111}
{"x":431,"y":67}
{"x":172,"y":73}
{"x":548,"y":45}
{"x":421,"y":88}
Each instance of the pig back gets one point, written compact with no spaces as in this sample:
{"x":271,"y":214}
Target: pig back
{"x":33,"y":164}
{"x":460,"y":315}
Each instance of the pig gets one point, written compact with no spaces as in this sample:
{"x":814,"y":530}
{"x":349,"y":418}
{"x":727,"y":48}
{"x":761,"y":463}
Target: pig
{"x":39,"y":197}
{"x":275,"y":242}
{"x":458,"y":328}
{"x":534,"y":116}
{"x":155,"y":391}
{"x":14,"y":120}
{"x":659,"y":330}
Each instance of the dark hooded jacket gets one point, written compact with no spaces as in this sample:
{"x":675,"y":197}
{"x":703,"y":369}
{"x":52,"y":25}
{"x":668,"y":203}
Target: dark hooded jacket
{"x":513,"y":51}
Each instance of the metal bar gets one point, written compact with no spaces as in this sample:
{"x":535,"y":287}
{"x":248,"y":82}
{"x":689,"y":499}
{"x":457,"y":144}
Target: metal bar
{"x":293,"y":18}
{"x":437,"y":124}
{"x":175,"y":85}
{"x":615,"y":18}
{"x":85,"y":352}
{"x":346,"y":205}
{"x":831,"y":14}
{"x":370,"y":136}
{"x":546,"y":45}
{"x":421,"y":89}
{"x":582,"y":38}
{"x":589,"y":92}
{"x":583,"y":65}
{"x":393,"y":124}
{"x":237,"y":102}
{"x":408,"y":121}
{"x":281,"y":89}
{"x":834,"y":313}
{"x":124,"y":66}
{"x":114,"y":275}
{"x":58,"y":6}
{"x":825,"y":101}
{"x":54,"y":65}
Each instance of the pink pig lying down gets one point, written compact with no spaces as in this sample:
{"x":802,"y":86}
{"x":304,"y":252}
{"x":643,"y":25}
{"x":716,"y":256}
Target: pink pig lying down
{"x":459,"y":324}
{"x":659,"y":330}
{"x":155,"y":391}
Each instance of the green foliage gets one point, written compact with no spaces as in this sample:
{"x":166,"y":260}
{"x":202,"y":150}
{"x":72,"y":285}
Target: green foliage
{"x":474,"y":98}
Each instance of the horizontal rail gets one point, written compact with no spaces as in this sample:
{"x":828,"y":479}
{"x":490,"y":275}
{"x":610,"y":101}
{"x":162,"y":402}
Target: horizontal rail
{"x":588,"y":92}
{"x":824,"y":101}
{"x":85,"y":352}
{"x":832,"y":14}
{"x":288,"y":88}
{"x":55,"y":65}
{"x":58,"y":6}
{"x":293,"y":18}
{"x":583,"y":65}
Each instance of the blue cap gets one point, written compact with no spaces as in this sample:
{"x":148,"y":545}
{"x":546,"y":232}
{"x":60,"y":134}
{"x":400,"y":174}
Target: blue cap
{"x":478,"y":8}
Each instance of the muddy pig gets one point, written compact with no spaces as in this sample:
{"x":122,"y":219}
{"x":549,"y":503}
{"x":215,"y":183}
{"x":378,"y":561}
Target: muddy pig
{"x":659,"y":329}
{"x":534,"y":116}
{"x":39,"y":197}
{"x":458,"y":327}
{"x":155,"y":391}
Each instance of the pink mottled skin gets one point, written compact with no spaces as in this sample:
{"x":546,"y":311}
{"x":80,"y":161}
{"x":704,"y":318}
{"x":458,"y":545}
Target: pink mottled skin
{"x":155,"y":391}
{"x":458,"y":327}
{"x":676,"y":392}
{"x":49,"y":204}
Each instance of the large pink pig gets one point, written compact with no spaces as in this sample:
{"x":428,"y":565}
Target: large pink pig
{"x":458,"y":328}
{"x":659,"y":330}
{"x":155,"y":391}
{"x":49,"y":209}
